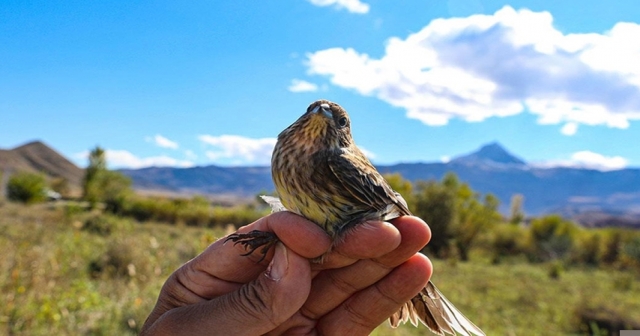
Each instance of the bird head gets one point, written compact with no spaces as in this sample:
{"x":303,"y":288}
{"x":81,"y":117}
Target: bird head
{"x":325,"y":124}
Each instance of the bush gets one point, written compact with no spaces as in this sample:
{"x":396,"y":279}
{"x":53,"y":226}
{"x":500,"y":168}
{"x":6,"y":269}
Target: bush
{"x":602,"y":319}
{"x":588,"y":248}
{"x":612,"y":246}
{"x":192,"y":212}
{"x":27,"y":188}
{"x":507,"y":240}
{"x":104,"y":225}
{"x":631,"y":249}
{"x":550,"y":238}
{"x":435,"y":204}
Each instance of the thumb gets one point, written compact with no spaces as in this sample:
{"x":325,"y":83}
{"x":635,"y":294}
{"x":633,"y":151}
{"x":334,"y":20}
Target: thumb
{"x":256,"y":308}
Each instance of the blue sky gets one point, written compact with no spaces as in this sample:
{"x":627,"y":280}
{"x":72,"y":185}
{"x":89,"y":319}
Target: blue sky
{"x":214,"y":82}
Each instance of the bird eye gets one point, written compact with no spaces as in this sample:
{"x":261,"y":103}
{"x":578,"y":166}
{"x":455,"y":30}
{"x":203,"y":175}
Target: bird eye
{"x":342,"y":122}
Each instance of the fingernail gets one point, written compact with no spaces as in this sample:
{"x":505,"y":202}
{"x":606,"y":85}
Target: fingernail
{"x":279,"y":264}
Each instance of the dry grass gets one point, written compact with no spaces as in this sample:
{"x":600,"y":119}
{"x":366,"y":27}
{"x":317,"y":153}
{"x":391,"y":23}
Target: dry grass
{"x":78,"y":273}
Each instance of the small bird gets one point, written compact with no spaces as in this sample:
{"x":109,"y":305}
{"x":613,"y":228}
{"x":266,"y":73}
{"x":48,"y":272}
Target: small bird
{"x":320,"y":174}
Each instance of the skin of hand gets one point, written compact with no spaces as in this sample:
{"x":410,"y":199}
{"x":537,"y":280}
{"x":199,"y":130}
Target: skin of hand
{"x":368,"y":275}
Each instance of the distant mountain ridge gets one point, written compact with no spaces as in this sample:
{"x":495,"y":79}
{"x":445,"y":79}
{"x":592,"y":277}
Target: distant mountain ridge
{"x":491,"y":169}
{"x":593,"y":197}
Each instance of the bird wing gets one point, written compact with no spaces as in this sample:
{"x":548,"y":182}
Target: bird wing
{"x":364,"y":183}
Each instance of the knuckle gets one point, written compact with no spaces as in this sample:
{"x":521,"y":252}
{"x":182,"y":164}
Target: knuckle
{"x":254,"y":301}
{"x":342,"y":285}
{"x":357,"y":317}
{"x":389,"y":297}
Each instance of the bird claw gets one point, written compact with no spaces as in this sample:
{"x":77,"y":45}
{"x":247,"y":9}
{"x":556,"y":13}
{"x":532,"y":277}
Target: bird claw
{"x":253,"y":241}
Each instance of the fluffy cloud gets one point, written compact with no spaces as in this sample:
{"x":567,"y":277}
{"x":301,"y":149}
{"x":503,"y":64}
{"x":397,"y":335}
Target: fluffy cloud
{"x":369,"y":154}
{"x":353,"y":6}
{"x":298,"y":85}
{"x":569,"y":128}
{"x":499,"y":65}
{"x":163,"y":142}
{"x":240,"y":149}
{"x":589,"y":160}
{"x":124,"y":159}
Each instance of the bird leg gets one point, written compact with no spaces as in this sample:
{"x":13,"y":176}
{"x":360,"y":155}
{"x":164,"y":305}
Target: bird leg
{"x":254,"y":240}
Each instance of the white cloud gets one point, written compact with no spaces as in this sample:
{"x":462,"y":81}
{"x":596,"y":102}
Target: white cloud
{"x":163,"y":142}
{"x":588,"y":160}
{"x":240,"y":149}
{"x":298,"y":85}
{"x":117,"y":159}
{"x":497,"y":65}
{"x":369,"y":154}
{"x":353,"y":6}
{"x":569,"y":129}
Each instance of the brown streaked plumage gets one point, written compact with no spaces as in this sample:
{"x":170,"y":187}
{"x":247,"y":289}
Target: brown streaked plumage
{"x":321,"y":174}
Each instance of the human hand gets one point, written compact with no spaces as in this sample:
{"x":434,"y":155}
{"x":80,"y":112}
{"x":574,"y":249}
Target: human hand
{"x":367,"y":276}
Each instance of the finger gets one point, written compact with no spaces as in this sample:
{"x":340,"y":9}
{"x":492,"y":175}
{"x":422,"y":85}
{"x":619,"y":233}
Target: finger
{"x":298,"y":233}
{"x":225,"y":261}
{"x":368,"y":240}
{"x":331,"y":287}
{"x":415,"y":235}
{"x":368,"y":308}
{"x":259,"y":306}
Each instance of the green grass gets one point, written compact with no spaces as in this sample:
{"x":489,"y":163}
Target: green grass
{"x":81,"y":273}
{"x":64,"y":279}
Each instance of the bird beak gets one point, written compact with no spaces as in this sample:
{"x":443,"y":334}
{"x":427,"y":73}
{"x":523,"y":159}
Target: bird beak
{"x":324,"y":109}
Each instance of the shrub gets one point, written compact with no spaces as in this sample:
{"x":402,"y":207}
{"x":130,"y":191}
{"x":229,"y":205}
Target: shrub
{"x":587,"y":248}
{"x":116,"y":262}
{"x":631,"y":249}
{"x":550,"y":237}
{"x":104,"y":225}
{"x":435,"y":204}
{"x":27,"y":188}
{"x":507,"y":240}
{"x":602,"y":319}
{"x":612,"y":246}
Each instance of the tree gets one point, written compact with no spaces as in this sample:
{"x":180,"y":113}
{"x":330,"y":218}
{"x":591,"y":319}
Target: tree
{"x":27,"y":188}
{"x":116,"y":190}
{"x":435,"y":204}
{"x":472,"y":215}
{"x":455,"y":214}
{"x":517,"y":213}
{"x":101,"y":185}
{"x":402,"y":186}
{"x":97,"y":166}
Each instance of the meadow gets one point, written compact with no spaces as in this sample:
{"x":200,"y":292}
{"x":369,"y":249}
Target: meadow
{"x":67,"y":270}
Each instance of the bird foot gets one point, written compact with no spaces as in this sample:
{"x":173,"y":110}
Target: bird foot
{"x":254,"y":240}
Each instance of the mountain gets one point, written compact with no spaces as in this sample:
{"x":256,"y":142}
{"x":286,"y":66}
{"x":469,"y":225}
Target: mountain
{"x":212,"y":180}
{"x":592,"y":197}
{"x":491,"y":154}
{"x":38,"y":157}
{"x":491,"y":169}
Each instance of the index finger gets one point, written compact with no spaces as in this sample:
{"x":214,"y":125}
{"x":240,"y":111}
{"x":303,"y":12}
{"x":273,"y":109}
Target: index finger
{"x":226,"y":262}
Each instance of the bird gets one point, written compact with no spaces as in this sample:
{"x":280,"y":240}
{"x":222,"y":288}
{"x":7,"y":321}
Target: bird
{"x":320,"y":174}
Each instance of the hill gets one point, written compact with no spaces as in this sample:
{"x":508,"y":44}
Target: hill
{"x":38,"y":157}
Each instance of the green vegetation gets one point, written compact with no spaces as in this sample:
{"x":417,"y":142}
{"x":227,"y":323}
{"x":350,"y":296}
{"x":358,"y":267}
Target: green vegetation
{"x":104,"y":186}
{"x":27,"y":188}
{"x":77,"y":269}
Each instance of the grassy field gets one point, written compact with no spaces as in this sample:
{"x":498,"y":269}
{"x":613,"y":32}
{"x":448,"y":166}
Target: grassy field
{"x":70,"y":272}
